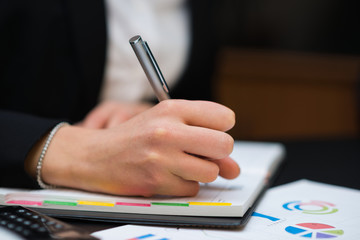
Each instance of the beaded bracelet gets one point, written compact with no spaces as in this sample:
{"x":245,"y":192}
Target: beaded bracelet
{"x":42,"y":155}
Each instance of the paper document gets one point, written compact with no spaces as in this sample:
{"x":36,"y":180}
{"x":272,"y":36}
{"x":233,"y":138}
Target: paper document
{"x":299,"y":210}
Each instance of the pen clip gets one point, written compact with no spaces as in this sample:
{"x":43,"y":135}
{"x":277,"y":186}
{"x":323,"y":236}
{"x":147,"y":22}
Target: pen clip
{"x":157,"y":69}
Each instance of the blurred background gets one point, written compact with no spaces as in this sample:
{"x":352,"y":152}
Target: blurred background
{"x":290,"y":69}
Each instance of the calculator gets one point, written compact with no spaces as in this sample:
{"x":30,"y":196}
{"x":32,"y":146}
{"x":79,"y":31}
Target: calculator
{"x":28,"y":224}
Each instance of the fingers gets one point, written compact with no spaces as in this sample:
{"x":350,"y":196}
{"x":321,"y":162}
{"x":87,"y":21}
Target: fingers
{"x":204,"y":142}
{"x":195,"y":169}
{"x":115,"y":120}
{"x":203,"y":138}
{"x":110,"y":114}
{"x":228,"y":168}
{"x":97,"y":118}
{"x":202,"y":170}
{"x":192,"y":170}
{"x":200,"y":113}
{"x":178,"y":187}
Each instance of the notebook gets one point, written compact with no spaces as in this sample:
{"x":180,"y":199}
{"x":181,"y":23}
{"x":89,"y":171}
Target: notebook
{"x":222,"y":203}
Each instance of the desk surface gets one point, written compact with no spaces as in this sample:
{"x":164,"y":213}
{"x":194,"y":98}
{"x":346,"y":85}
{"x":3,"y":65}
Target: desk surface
{"x":333,"y":161}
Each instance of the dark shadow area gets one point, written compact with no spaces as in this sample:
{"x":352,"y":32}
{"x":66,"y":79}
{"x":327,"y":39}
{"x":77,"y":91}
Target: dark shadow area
{"x":324,"y":26}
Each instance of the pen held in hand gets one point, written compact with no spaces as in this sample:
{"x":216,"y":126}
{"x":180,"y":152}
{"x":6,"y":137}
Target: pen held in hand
{"x":150,"y":67}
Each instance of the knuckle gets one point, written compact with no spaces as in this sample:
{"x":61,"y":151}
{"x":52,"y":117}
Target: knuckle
{"x":152,"y":159}
{"x":158,"y":133}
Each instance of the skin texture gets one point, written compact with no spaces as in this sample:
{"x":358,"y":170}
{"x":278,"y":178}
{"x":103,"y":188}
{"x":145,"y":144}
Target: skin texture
{"x":142,"y":150}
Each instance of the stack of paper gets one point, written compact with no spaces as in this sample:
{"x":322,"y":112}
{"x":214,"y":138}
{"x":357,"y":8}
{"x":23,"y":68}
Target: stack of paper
{"x":300,"y":210}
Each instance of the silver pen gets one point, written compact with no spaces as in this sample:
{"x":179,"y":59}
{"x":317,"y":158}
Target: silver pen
{"x":150,"y":67}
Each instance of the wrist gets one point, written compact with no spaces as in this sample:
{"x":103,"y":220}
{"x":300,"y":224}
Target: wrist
{"x":39,"y":165}
{"x":66,"y":157}
{"x":33,"y":156}
{"x":34,"y":160}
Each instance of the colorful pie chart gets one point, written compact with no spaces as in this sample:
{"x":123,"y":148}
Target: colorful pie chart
{"x":311,"y":207}
{"x":314,"y":230}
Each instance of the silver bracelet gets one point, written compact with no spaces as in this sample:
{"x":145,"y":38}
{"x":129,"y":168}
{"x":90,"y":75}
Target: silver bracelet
{"x":42,"y":155}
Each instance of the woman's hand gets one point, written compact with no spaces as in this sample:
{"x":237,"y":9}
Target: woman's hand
{"x":110,"y":113}
{"x":167,"y":149}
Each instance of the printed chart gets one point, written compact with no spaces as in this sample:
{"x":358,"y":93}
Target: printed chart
{"x":303,"y":210}
{"x":314,"y":230}
{"x":148,"y":237}
{"x":273,"y":219}
{"x":311,"y":207}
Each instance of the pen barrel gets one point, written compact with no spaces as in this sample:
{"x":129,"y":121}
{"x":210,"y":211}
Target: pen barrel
{"x":150,"y":67}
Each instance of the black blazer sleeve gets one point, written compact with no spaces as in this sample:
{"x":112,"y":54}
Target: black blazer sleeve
{"x":51,"y":66}
{"x":18,"y":134}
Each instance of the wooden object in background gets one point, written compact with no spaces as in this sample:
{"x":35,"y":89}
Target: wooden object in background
{"x":289,"y":95}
